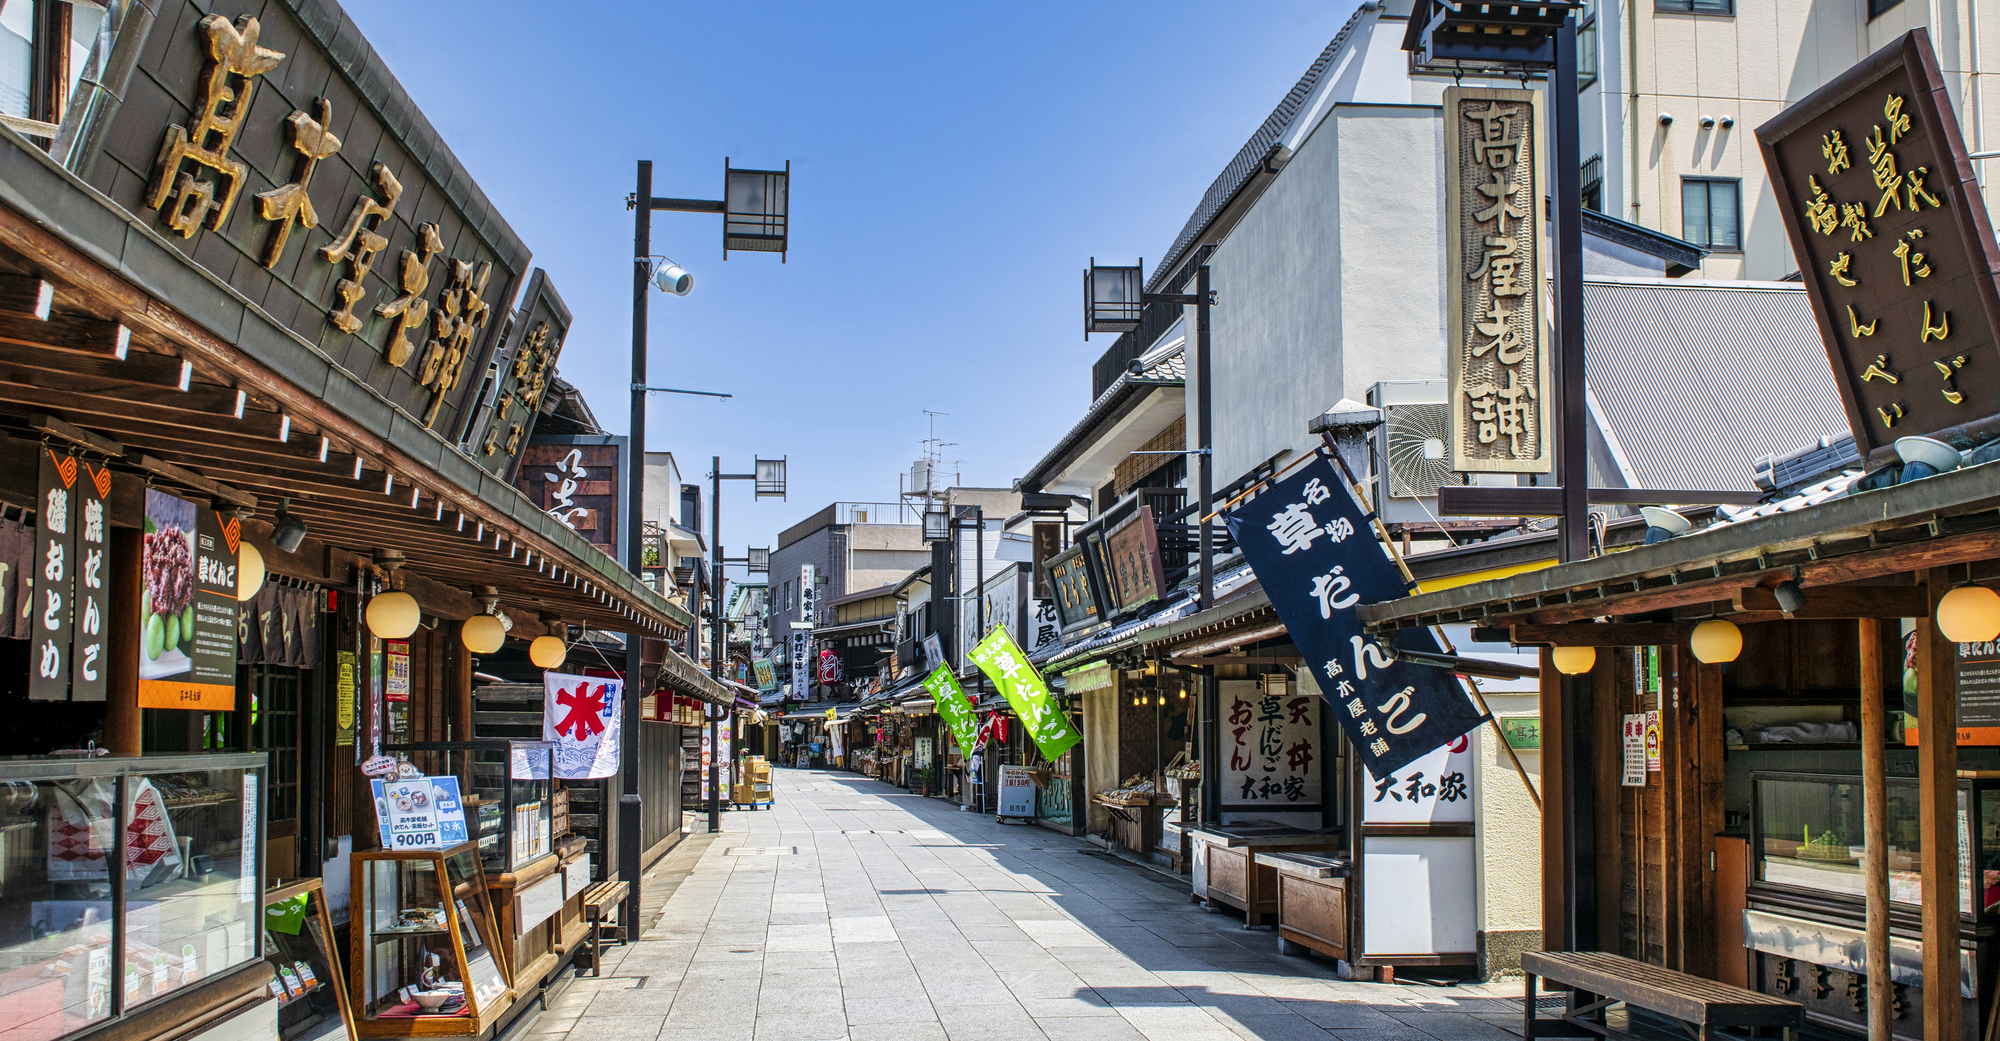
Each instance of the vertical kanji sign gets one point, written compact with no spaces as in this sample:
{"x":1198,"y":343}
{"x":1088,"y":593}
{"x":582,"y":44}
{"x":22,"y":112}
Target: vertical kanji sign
{"x":53,"y":568}
{"x":1308,"y":541}
{"x":1895,"y":247}
{"x":1271,"y":744}
{"x":93,"y":581}
{"x":1497,"y":356}
{"x":952,"y":705}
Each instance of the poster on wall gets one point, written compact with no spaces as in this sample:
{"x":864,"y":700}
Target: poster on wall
{"x":1633,"y":726}
{"x":187,"y":646}
{"x":1270,"y":735}
{"x":397,"y":686}
{"x":53,"y":575}
{"x":581,"y":716}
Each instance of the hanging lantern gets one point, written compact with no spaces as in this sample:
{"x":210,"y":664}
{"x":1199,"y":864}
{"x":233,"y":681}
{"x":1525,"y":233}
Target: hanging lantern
{"x":1716,"y":641}
{"x":547,"y":652}
{"x":483,"y":633}
{"x":1574,"y":661}
{"x":1969,"y":614}
{"x":393,"y":616}
{"x":249,"y":570}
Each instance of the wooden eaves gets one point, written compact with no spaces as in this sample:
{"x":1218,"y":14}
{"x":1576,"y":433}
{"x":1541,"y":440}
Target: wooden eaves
{"x":1935,"y":522}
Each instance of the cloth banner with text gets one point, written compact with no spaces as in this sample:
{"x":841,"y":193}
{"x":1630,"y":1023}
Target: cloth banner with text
{"x":581,"y":716}
{"x":952,"y":706}
{"x":1309,"y":543}
{"x":1000,"y":658}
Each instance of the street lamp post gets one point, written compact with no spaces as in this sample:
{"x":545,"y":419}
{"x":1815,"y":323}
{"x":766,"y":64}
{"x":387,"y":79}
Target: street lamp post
{"x":770,"y":477}
{"x":755,"y":212}
{"x":1114,"y":298}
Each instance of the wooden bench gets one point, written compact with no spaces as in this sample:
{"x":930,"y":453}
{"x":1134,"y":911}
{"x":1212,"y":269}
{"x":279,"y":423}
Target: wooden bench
{"x":600,"y":913}
{"x":1598,"y":980}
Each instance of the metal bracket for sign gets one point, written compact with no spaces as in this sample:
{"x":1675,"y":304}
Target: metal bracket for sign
{"x":675,"y":390}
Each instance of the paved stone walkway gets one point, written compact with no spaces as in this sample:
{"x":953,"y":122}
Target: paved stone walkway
{"x":855,"y":910}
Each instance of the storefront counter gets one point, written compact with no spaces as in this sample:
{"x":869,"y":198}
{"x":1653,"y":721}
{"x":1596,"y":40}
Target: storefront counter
{"x":1225,"y":872}
{"x":1312,"y":901}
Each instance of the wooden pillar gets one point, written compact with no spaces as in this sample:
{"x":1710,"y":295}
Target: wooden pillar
{"x":121,"y":672}
{"x":1937,"y":783}
{"x":1705,"y":687}
{"x":1875,"y":828}
{"x":458,"y":721}
{"x":1602,"y":853}
{"x":1555,"y":858}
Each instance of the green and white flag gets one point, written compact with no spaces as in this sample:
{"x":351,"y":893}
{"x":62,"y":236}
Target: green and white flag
{"x":1000,"y":658}
{"x":952,"y":705}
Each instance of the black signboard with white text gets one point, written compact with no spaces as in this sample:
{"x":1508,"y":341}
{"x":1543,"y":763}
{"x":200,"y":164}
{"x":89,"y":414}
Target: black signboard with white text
{"x":1308,"y":542}
{"x":53,"y":571}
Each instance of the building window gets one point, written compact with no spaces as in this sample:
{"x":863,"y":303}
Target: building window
{"x":1877,"y":8}
{"x":1593,"y":183}
{"x":1711,"y":214}
{"x":1698,"y":6}
{"x":1586,"y":45}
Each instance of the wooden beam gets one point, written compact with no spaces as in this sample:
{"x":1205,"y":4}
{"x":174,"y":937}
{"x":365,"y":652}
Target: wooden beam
{"x":187,"y":478}
{"x":1840,"y":601}
{"x":83,"y":333}
{"x":1937,"y":818}
{"x":1236,"y":659}
{"x":26,"y":296}
{"x":1555,"y":894}
{"x":1875,"y":829}
{"x":1600,"y":634}
{"x":76,"y":435}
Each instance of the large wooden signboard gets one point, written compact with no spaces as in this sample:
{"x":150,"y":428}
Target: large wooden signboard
{"x":1497,"y":362}
{"x":1895,"y":247}
{"x":272,"y":146}
{"x":579,"y":480}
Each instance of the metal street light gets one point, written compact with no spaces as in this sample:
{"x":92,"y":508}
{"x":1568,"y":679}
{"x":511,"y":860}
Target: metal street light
{"x":755,"y":213}
{"x":1114,"y":298}
{"x":769,"y":475}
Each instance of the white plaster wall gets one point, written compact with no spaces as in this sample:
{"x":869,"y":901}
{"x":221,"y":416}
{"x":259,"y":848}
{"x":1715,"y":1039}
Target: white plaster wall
{"x":1330,"y":283}
{"x":1508,"y":826}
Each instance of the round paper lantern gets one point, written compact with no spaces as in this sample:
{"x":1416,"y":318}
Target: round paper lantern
{"x":547,"y":652}
{"x":1574,"y":661}
{"x":483,"y":633}
{"x":249,"y":571}
{"x":1716,"y":641}
{"x":1969,"y":614}
{"x":393,"y":616}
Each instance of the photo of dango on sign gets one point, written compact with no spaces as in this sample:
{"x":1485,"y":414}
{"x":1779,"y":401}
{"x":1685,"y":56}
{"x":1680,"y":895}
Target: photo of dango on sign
{"x":187,"y":626}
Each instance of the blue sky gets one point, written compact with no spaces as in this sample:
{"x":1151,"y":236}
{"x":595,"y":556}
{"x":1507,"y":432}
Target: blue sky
{"x":954,"y":167}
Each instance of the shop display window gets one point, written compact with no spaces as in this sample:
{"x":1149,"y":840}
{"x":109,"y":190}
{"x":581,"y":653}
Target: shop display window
{"x":187,"y":908}
{"x":1808,"y":833}
{"x":299,"y":945}
{"x":508,"y":794}
{"x":423,"y":938}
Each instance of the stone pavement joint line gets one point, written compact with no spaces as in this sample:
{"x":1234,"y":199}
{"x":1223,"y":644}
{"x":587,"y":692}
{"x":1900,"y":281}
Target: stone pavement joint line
{"x":890,"y":917}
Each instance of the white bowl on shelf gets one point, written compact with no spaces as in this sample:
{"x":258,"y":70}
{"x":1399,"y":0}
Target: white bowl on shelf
{"x":431,"y":999}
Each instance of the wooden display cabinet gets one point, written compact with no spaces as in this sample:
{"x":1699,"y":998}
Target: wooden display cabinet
{"x":427,"y":958}
{"x":305,"y":972}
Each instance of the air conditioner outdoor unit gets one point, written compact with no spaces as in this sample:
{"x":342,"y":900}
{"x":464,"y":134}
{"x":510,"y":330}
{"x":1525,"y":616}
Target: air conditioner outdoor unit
{"x":1410,"y":462}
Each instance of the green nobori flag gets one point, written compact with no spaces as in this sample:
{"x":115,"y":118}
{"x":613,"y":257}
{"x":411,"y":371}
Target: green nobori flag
{"x":952,"y":705}
{"x":1000,"y":658}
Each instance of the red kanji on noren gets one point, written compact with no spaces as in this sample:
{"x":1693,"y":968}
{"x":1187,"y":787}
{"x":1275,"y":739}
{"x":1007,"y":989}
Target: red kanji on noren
{"x":586,"y":711}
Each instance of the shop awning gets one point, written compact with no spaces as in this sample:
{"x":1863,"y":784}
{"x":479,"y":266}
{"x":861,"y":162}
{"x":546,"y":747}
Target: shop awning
{"x":1935,"y":522}
{"x":156,"y":361}
{"x":679,"y":674}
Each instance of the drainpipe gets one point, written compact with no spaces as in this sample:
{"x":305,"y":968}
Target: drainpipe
{"x":87,"y":120}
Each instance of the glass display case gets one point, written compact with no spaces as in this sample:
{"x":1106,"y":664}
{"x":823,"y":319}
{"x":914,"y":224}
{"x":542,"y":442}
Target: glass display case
{"x":425,"y":958}
{"x":305,"y":975}
{"x":1807,"y":830}
{"x":188,"y":831}
{"x":508,"y":794}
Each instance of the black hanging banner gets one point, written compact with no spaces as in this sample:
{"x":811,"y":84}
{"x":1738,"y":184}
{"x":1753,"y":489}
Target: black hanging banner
{"x":92,"y":524}
{"x":1311,"y":546}
{"x":55,"y":547}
